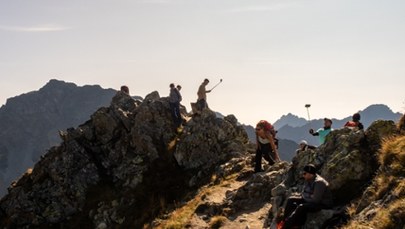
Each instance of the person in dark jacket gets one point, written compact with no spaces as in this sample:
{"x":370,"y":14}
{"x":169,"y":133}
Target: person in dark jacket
{"x":174,"y":100}
{"x":314,"y":197}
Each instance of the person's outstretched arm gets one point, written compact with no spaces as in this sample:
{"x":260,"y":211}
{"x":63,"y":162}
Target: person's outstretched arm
{"x":311,"y":131}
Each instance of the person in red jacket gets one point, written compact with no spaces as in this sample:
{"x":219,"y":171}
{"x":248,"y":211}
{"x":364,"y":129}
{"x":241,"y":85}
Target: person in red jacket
{"x":355,"y":123}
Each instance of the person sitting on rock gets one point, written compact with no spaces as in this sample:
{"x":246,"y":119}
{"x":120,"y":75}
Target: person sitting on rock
{"x":314,"y":197}
{"x":304,"y":147}
{"x":323,"y":132}
{"x":266,"y":145}
{"x":355,"y":123}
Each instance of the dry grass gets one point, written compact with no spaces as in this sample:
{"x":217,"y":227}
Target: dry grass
{"x":390,"y":217}
{"x":392,"y":156}
{"x":181,"y":216}
{"x":352,"y":210}
{"x":389,"y":182}
{"x":356,"y":225}
{"x":401,"y":124}
{"x":217,"y":221}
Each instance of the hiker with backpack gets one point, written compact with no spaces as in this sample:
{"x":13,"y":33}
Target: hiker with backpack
{"x":267,"y":145}
{"x":355,"y":123}
{"x":314,"y":197}
{"x":174,"y":101}
{"x":323,"y":132}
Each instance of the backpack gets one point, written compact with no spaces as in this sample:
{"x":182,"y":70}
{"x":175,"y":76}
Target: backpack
{"x":351,"y":124}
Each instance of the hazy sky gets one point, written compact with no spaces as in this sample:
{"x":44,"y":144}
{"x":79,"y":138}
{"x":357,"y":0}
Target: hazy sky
{"x":274,"y":56}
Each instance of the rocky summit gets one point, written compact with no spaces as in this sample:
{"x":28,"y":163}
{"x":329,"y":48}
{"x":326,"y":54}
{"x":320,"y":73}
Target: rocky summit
{"x":129,"y":167}
{"x":121,"y":168}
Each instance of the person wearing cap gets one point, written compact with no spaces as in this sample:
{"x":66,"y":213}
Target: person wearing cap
{"x":304,"y":147}
{"x":266,"y":145}
{"x":315,"y":196}
{"x":202,"y":95}
{"x":355,"y":123}
{"x":323,"y":132}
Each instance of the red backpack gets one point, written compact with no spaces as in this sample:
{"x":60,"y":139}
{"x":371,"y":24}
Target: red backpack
{"x":350,"y":124}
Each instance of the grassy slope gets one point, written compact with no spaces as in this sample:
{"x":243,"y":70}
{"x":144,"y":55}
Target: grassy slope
{"x":388,"y":187}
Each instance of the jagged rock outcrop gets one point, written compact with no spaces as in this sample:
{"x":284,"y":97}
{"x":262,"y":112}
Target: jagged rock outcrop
{"x":238,"y":198}
{"x":121,"y":168}
{"x":347,"y":160}
{"x":226,"y":139}
{"x":29,"y":123}
{"x":382,"y":204}
{"x":127,"y":165}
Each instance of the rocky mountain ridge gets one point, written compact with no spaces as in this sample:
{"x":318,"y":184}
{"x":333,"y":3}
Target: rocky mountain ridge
{"x":127,"y":167}
{"x":127,"y":158}
{"x":30,"y":122}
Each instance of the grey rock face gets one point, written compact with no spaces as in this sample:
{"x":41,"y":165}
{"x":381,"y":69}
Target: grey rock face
{"x":29,"y":123}
{"x":119,"y":168}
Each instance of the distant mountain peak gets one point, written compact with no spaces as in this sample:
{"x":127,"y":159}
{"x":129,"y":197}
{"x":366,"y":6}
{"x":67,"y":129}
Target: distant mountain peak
{"x":368,"y":115}
{"x":290,"y":120}
{"x":378,"y":108}
{"x":57,"y":84}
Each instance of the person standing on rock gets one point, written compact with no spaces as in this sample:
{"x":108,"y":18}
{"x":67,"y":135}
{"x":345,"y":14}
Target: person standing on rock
{"x":202,"y":95}
{"x":323,"y":132}
{"x":355,"y":123}
{"x":266,"y":145}
{"x":314,"y":197}
{"x":174,"y":101}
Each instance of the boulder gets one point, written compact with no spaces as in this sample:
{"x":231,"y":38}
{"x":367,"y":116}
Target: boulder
{"x":208,"y":140}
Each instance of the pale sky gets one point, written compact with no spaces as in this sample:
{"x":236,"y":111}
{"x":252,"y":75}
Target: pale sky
{"x":274,"y":56}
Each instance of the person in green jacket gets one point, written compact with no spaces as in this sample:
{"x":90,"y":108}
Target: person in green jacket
{"x":323,"y":132}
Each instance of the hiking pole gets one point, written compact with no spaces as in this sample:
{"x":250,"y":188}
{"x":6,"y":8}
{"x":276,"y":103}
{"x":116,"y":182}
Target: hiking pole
{"x":308,"y":106}
{"x":220,"y":81}
{"x":309,"y":119}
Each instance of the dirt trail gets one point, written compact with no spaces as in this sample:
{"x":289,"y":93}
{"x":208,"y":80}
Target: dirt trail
{"x":253,"y":217}
{"x":251,"y":220}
